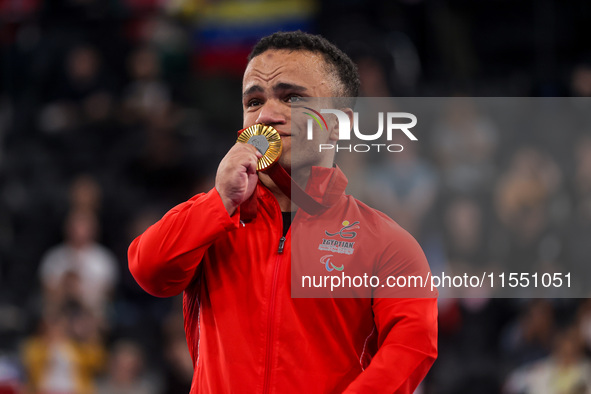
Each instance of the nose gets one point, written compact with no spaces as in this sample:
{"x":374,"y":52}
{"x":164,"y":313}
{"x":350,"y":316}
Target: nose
{"x":273,"y":113}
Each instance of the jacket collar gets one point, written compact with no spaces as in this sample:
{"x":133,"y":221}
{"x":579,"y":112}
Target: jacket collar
{"x":325,"y":185}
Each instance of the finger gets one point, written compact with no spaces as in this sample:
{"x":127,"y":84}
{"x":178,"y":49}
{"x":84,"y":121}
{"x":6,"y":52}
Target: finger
{"x":251,"y":148}
{"x":252,"y":165}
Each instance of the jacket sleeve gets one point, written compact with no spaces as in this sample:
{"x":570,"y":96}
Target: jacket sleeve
{"x":407,"y":346}
{"x":164,"y":259}
{"x":407,"y":327}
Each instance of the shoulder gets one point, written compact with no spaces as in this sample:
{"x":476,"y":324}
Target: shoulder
{"x":55,"y":252}
{"x":387,"y":238}
{"x":102,"y":252}
{"x":55,"y":260}
{"x":376,"y":221}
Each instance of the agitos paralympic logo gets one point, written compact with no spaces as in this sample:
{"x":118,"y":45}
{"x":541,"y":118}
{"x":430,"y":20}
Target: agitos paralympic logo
{"x":345,"y":130}
{"x":329,"y":265}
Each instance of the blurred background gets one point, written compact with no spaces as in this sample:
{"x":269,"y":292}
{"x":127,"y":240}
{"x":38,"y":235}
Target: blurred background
{"x":113,"y":111}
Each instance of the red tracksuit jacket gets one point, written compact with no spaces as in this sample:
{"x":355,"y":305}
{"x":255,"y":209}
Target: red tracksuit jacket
{"x":246,"y":334}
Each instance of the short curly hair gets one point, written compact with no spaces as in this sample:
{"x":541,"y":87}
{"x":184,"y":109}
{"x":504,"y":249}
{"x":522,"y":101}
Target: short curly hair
{"x":338,"y":62}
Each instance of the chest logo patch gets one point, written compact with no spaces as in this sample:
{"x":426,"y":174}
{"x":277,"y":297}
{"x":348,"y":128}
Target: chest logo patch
{"x":345,"y":231}
{"x":338,"y":246}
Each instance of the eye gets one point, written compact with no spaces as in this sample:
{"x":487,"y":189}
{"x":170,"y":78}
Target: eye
{"x":253,"y":102}
{"x":293,"y":99}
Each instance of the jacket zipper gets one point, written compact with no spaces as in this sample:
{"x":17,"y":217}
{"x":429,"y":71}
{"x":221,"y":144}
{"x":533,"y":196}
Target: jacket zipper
{"x":281,"y":244}
{"x":271,"y":319}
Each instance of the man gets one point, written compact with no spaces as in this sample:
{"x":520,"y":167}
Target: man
{"x":245,"y":332}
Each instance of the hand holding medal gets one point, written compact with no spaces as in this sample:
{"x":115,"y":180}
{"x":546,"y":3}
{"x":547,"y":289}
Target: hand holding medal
{"x":268,"y":142}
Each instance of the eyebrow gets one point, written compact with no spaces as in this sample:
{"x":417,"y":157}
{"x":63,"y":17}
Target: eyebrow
{"x":289,"y":86}
{"x":251,"y":90}
{"x":279,"y":87}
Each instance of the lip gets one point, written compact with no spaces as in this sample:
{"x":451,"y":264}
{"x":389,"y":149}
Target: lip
{"x":280,"y":132}
{"x":283,"y":133}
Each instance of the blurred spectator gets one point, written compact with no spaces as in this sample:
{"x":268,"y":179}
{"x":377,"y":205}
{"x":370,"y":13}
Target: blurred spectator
{"x":578,"y":231}
{"x":154,"y":158}
{"x":146,"y":95}
{"x":581,"y":79}
{"x":169,"y":39}
{"x":126,"y":372}
{"x":179,"y":367}
{"x":584,"y":322}
{"x":82,"y":96}
{"x":159,"y":163}
{"x":530,"y":337}
{"x":11,"y":376}
{"x":85,"y":194}
{"x":532,"y":176}
{"x":582,"y":177}
{"x":374,"y":74}
{"x":566,"y":370}
{"x":80,"y":259}
{"x":469,"y":359}
{"x":57,"y":361}
{"x":464,"y":144}
{"x":83,"y":74}
{"x":404,"y":187}
{"x":465,"y":233}
{"x":524,"y":195}
{"x":389,"y":65}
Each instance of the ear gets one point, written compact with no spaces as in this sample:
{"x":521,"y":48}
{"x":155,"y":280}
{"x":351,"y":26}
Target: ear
{"x":334,"y":126}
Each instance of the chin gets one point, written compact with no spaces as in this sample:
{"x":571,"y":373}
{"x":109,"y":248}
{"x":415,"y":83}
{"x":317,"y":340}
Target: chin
{"x":285,"y":161}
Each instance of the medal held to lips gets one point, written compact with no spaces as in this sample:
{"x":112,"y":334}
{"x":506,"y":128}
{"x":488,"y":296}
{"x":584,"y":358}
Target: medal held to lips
{"x":267,"y":140}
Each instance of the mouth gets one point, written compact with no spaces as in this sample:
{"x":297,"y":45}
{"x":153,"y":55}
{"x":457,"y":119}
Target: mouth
{"x":281,"y":133}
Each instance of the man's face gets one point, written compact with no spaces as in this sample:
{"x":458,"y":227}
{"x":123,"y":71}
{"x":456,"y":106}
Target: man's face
{"x":273,"y":82}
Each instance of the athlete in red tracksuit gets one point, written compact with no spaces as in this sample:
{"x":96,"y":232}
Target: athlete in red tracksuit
{"x":246,"y":334}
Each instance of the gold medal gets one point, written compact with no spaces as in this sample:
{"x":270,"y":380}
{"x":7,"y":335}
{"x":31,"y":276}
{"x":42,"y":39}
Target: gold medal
{"x":267,"y":140}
